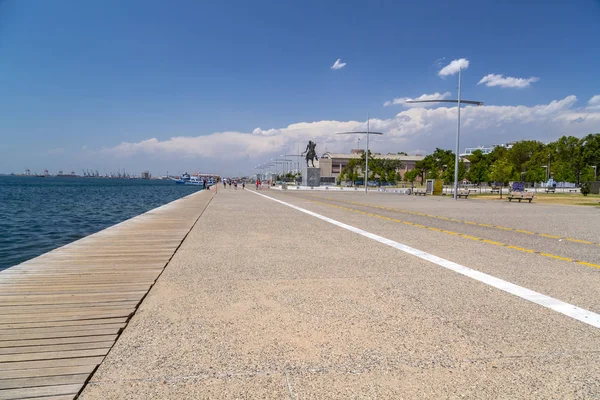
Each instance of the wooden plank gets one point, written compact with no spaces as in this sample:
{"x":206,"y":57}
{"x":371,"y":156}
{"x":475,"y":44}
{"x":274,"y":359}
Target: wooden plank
{"x":59,"y":397}
{"x":42,"y":381}
{"x":67,"y":317}
{"x":70,"y":299}
{"x":65,"y":308}
{"x":52,"y":355}
{"x":53,"y":341}
{"x":81,"y":290}
{"x":43,"y":335}
{"x":10,"y":394}
{"x":100,"y":321}
{"x":50,"y":330}
{"x":56,"y":347}
{"x":63,"y":362}
{"x":48,"y":371}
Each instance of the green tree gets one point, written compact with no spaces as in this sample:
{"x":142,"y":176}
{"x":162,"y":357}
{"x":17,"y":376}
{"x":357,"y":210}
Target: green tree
{"x":501,"y":171}
{"x":480,"y":167}
{"x":570,"y":161}
{"x":522,"y":152}
{"x":590,"y":150}
{"x":536,"y":174}
{"x":350,"y":171}
{"x":411,"y":175}
{"x":448,"y":174}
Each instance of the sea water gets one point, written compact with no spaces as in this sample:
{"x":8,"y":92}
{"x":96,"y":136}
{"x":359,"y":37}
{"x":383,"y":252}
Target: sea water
{"x":38,"y":214}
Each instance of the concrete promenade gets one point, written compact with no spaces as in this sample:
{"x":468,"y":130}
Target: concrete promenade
{"x":262,"y":300}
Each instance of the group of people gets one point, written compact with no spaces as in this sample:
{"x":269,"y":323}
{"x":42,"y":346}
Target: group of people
{"x":228,"y":182}
{"x":234,"y":182}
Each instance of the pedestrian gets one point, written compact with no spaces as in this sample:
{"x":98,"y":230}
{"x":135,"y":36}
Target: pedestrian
{"x":243,"y":184}
{"x":235,"y":184}
{"x":229,"y":182}
{"x":224,"y":183}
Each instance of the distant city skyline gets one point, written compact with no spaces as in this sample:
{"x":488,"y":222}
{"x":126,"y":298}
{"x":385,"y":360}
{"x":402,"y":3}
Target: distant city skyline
{"x":219,"y":88}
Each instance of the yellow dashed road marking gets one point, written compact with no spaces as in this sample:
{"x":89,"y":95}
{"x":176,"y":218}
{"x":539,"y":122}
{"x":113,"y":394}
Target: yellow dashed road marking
{"x":504,"y":228}
{"x":462,"y":235}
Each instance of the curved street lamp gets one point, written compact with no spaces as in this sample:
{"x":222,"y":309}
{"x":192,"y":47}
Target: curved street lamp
{"x":368,"y":133}
{"x":458,"y":102}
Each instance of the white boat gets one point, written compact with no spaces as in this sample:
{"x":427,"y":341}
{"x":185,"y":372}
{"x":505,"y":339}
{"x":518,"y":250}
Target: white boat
{"x":194,"y":180}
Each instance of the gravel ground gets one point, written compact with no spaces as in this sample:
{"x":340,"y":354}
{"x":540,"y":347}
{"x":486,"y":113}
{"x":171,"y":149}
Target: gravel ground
{"x":262,"y":301}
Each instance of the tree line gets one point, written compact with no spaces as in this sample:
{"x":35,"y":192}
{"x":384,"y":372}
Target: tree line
{"x":380,"y":169}
{"x":568,"y":159}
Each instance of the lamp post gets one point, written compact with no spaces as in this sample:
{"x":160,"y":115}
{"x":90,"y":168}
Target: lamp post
{"x":547,"y":172}
{"x":294,"y":155}
{"x":595,"y":172}
{"x":458,"y":103}
{"x":279,"y":161}
{"x":367,"y":133}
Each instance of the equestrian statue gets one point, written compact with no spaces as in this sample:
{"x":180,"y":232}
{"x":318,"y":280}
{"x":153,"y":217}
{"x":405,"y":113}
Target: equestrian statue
{"x":311,"y":153}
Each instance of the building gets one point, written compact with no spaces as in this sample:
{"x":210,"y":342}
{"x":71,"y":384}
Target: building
{"x":146,"y":175}
{"x":486,"y":150}
{"x":332,"y":164}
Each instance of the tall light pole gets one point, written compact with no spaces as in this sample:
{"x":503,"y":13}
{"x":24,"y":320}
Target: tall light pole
{"x":279,"y":161}
{"x":368,"y":133}
{"x":595,"y":172}
{"x":294,"y":155}
{"x":458,"y":102}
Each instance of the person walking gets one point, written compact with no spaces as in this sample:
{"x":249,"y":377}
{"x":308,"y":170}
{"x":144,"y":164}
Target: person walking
{"x":235,"y":184}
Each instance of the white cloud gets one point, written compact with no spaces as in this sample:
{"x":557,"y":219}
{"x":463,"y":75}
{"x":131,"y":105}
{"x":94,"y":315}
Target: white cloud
{"x":594,"y":102}
{"x":338,"y":64}
{"x":454,"y":66}
{"x":410,"y":130}
{"x":507,"y":82}
{"x":403,"y":100}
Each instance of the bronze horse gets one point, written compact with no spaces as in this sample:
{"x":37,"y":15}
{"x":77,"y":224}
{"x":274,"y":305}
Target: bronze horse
{"x":311,"y":153}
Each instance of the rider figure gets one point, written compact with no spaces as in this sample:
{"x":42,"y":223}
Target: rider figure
{"x":311,"y":153}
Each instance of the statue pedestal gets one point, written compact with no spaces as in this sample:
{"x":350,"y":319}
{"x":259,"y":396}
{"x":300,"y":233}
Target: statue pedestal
{"x":311,"y":176}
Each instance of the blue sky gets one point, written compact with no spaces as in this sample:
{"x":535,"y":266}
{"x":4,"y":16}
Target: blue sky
{"x":185,"y":84}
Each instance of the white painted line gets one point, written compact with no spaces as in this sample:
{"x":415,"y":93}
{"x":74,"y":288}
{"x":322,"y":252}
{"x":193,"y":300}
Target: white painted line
{"x":567,"y":309}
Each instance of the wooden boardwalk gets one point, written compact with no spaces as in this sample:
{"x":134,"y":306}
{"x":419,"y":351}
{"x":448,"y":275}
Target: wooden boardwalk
{"x":61,"y":312}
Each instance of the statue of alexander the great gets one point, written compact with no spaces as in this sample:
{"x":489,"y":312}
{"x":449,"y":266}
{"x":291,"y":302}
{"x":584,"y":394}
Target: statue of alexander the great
{"x":311,"y":153}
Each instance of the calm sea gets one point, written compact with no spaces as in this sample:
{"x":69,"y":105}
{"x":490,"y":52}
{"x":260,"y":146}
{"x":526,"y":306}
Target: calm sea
{"x":41,"y":214}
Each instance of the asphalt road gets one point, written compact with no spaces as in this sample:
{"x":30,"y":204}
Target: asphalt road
{"x":265,"y":301}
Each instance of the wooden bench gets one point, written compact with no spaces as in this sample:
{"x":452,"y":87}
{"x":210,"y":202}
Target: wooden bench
{"x":419,"y":192}
{"x":463,"y":193}
{"x":496,"y":189}
{"x":472,"y":190}
{"x":573,"y":190}
{"x":520,"y":196}
{"x":550,"y":190}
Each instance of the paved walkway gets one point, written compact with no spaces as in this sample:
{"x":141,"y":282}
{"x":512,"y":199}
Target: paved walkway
{"x":264,"y":301}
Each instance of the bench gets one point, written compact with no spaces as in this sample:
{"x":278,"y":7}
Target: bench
{"x":550,"y":190}
{"x":463,"y":193}
{"x":472,"y":190}
{"x":495,"y":189}
{"x":573,"y":190}
{"x":520,"y":196}
{"x":419,"y":192}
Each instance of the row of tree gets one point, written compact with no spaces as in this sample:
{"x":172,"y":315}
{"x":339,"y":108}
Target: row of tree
{"x":569,"y":159}
{"x":380,"y":169}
